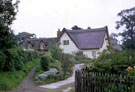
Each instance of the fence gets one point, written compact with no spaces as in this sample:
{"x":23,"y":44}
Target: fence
{"x":86,"y":81}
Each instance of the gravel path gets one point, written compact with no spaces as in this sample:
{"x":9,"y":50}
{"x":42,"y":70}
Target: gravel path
{"x":27,"y":84}
{"x":64,"y":82}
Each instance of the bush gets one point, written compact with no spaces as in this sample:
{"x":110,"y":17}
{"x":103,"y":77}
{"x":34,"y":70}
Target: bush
{"x":79,"y":56}
{"x":67,"y":63}
{"x":110,"y":61}
{"x":16,"y":58}
{"x":45,"y":63}
{"x":55,"y":64}
{"x":56,"y":52}
{"x":2,"y":60}
{"x":13,"y":60}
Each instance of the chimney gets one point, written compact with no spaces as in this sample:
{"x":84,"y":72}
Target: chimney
{"x":89,"y":28}
{"x":58,"y":33}
{"x":26,"y":36}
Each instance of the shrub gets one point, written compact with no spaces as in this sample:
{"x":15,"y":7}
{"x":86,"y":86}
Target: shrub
{"x":45,"y":63}
{"x":110,"y":61}
{"x":55,"y":64}
{"x":79,"y":56}
{"x":13,"y":60}
{"x":2,"y":60}
{"x":17,"y":57}
{"x":56,"y":52}
{"x":67,"y":63}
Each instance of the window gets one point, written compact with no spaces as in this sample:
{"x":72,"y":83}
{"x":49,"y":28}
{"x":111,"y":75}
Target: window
{"x":66,"y":42}
{"x":94,"y":53}
{"x":42,"y":46}
{"x":29,"y":46}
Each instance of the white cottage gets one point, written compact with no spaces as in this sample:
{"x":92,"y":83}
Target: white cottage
{"x":89,"y":41}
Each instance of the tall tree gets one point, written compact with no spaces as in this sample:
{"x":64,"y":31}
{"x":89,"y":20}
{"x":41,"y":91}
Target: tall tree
{"x":8,"y":10}
{"x":127,"y":23}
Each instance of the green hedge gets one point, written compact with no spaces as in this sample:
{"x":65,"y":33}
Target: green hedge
{"x":16,"y":58}
{"x":45,"y":63}
{"x":2,"y":60}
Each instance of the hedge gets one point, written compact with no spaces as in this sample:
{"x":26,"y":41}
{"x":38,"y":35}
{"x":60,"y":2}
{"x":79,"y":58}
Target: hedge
{"x":16,"y":58}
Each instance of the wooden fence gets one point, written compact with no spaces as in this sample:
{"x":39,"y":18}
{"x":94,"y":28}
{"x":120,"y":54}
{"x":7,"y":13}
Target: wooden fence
{"x":86,"y":81}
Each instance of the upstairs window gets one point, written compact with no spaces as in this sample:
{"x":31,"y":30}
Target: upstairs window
{"x":42,"y":46}
{"x":65,"y":42}
{"x":94,"y":53}
{"x":29,"y":45}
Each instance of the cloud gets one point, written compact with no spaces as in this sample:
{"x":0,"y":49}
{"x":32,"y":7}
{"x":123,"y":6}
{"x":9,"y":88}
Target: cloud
{"x":44,"y":17}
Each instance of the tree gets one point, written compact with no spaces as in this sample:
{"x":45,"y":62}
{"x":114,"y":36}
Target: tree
{"x":75,"y":27}
{"x":127,"y":22}
{"x":24,"y":36}
{"x":8,"y":10}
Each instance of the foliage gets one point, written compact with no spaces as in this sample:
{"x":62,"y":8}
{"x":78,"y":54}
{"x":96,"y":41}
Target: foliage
{"x":56,"y":52}
{"x":13,"y":60}
{"x":131,"y":71}
{"x":45,"y":63}
{"x":79,"y":56}
{"x":10,"y":79}
{"x":127,"y":22}
{"x":67,"y":63}
{"x":111,"y":61}
{"x":8,"y":10}
{"x":75,"y":27}
{"x":2,"y":60}
{"x":55,"y":59}
{"x":16,"y":58}
{"x":55,"y":64}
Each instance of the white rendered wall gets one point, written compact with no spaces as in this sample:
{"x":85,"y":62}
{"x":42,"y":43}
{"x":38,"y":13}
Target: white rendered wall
{"x":105,"y":44}
{"x":71,"y":48}
{"x":88,"y":53}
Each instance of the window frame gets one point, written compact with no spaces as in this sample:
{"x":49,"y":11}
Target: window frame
{"x":65,"y":42}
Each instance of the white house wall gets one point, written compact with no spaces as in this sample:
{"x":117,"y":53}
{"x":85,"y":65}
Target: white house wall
{"x":88,"y":53}
{"x":105,"y":44}
{"x":71,"y":48}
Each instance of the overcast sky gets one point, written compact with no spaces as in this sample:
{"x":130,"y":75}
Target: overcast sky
{"x":44,"y":17}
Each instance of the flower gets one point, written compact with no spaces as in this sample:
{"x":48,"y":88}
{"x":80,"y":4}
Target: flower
{"x":129,"y":68}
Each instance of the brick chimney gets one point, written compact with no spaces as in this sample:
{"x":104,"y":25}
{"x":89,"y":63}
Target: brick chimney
{"x":58,"y":33}
{"x":26,"y":36}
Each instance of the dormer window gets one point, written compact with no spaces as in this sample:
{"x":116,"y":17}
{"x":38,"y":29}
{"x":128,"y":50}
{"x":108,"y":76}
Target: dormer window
{"x":65,"y":42}
{"x":29,"y":45}
{"x":42,"y":46}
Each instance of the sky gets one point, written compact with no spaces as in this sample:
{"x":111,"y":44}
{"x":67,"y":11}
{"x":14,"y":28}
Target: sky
{"x":45,"y":17}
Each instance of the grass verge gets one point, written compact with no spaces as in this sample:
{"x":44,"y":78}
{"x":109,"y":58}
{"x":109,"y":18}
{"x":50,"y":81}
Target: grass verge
{"x":10,"y":79}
